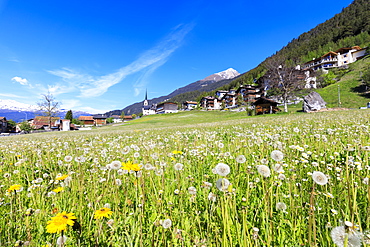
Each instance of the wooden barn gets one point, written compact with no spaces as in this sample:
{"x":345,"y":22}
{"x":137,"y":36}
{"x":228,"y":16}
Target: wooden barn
{"x":265,"y":106}
{"x":86,"y":120}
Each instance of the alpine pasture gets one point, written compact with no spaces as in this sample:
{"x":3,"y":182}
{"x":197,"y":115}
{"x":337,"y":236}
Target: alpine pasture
{"x":283,"y":180}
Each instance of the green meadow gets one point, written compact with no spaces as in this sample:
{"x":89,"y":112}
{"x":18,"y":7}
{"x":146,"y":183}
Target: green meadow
{"x":191,"y":179}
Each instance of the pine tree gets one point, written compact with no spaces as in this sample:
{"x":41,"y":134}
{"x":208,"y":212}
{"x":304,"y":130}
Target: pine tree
{"x":69,"y":115}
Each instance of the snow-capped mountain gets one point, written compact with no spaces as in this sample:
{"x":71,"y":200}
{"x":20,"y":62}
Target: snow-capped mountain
{"x":207,"y":84}
{"x":18,"y":111}
{"x":226,"y":74}
{"x":13,"y":105}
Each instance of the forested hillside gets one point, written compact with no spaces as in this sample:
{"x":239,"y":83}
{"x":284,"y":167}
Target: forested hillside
{"x":349,"y":28}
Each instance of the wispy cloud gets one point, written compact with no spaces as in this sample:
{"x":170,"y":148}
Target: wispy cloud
{"x":146,"y":63}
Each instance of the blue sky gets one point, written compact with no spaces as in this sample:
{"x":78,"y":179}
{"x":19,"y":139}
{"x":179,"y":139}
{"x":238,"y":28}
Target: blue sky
{"x":98,"y":56}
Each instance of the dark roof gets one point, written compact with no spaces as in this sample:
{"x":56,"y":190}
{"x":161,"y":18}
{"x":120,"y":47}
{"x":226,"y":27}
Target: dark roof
{"x":99,"y":116}
{"x":263,"y":100}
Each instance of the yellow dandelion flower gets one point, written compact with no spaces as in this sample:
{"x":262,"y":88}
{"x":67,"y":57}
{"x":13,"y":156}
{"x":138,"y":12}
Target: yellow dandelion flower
{"x":103,"y":212}
{"x":15,"y":187}
{"x":60,"y":222}
{"x":59,"y":189}
{"x":136,"y":167}
{"x":129,"y":166}
{"x":177,"y":152}
{"x":62,"y":177}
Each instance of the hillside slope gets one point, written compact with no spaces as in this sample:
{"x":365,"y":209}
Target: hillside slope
{"x":352,"y":92}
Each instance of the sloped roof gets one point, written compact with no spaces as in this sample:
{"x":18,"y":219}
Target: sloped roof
{"x":42,"y":120}
{"x":263,"y":100}
{"x":84,"y":118}
{"x":99,"y":116}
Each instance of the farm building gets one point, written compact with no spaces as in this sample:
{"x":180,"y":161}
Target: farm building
{"x":86,"y":120}
{"x":265,"y":106}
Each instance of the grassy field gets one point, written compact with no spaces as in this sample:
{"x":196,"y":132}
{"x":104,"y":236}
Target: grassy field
{"x":191,"y":179}
{"x":352,"y":93}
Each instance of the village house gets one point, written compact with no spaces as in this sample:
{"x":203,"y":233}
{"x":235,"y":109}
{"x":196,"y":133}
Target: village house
{"x":249,"y":93}
{"x":86,"y":120}
{"x":3,"y":125}
{"x":189,"y":105}
{"x":229,"y":99}
{"x":221,"y":93}
{"x":209,"y":103}
{"x":340,"y":57}
{"x":127,"y":118}
{"x":167,"y":107}
{"x":100,"y":119}
{"x":44,"y":122}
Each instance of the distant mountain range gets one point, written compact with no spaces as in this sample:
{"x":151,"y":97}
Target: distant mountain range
{"x":19,"y":112}
{"x":205,"y":85}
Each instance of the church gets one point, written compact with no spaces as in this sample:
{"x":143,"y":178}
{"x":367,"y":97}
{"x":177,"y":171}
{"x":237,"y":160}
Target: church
{"x":148,"y":110}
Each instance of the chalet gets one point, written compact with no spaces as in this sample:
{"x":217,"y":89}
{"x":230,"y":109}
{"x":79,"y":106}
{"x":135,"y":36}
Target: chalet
{"x":210,"y":103}
{"x":167,"y":107}
{"x":265,"y":106}
{"x":249,"y":93}
{"x":100,"y":119}
{"x":3,"y":124}
{"x":127,"y":118}
{"x":340,"y":57}
{"x":229,"y":99}
{"x":44,"y":122}
{"x":86,"y":120}
{"x":189,"y":105}
{"x":221,"y":93}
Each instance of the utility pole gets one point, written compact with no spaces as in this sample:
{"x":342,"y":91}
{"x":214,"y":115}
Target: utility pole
{"x":339,"y":96}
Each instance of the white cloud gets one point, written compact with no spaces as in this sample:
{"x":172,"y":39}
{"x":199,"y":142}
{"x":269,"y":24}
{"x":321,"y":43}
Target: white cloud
{"x":146,"y":63}
{"x":22,"y":81}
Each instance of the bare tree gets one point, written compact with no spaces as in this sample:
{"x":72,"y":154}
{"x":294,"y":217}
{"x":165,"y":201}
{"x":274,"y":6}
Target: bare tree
{"x":48,"y":106}
{"x":284,"y":77}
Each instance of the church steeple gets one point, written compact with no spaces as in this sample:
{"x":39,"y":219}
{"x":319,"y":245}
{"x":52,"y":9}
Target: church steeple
{"x":146,"y":103}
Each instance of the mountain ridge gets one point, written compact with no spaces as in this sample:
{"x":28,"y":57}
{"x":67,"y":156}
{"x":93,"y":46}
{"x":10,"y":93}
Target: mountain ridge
{"x":203,"y":85}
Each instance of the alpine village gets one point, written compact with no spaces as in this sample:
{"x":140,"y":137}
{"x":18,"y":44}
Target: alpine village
{"x":275,"y":156}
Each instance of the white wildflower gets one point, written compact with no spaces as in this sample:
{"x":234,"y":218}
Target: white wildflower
{"x":319,"y":178}
{"x":222,"y":169}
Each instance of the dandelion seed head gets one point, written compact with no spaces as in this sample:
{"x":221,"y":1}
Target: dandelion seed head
{"x":319,"y":178}
{"x":167,"y":223}
{"x":277,"y":155}
{"x":223,"y":184}
{"x":264,"y":170}
{"x":222,"y":169}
